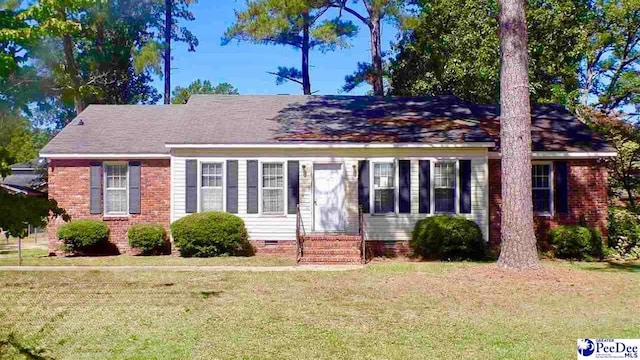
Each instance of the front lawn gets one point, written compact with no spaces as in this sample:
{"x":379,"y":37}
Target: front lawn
{"x":39,"y":257}
{"x":388,"y":310}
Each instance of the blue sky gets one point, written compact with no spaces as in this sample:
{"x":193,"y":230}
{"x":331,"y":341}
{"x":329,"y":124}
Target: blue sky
{"x":245,"y":65}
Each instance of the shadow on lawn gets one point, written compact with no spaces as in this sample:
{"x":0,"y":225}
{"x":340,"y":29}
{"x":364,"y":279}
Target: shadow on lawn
{"x":23,"y":349}
{"x":617,"y":267}
{"x":205,"y":294}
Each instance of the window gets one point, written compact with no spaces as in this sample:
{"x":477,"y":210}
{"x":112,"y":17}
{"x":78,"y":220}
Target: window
{"x":115,"y":189}
{"x":272,"y":188}
{"x":211,"y":187}
{"x":384,"y":191}
{"x":445,"y":187}
{"x":541,"y":184}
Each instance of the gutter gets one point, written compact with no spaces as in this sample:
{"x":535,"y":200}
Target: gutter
{"x":332,"y":146}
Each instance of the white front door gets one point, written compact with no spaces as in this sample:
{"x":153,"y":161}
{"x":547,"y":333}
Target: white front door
{"x":328,"y":195}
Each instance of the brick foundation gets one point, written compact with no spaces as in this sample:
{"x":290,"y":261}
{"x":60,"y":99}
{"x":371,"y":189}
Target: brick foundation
{"x":275,"y":247}
{"x":587,"y":200}
{"x":69,"y":186}
{"x":388,"y":248}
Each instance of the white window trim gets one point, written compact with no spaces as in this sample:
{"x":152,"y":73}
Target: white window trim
{"x":456,"y":190}
{"x":372,"y":190}
{"x":104,"y":189}
{"x":285,"y":174}
{"x":551,"y":211}
{"x":224,"y":182}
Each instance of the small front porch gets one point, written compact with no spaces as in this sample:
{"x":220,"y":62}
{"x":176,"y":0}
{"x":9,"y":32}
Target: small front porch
{"x":335,"y":247}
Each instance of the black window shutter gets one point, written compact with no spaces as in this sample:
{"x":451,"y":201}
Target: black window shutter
{"x":561,"y":196}
{"x":95,"y":185}
{"x":134,"y":187}
{"x":252,"y":186}
{"x":404,"y":168}
{"x":293,"y":173}
{"x":191,"y":205}
{"x":363,"y":185}
{"x":232,"y":186}
{"x":465,"y":186}
{"x":425,"y":186}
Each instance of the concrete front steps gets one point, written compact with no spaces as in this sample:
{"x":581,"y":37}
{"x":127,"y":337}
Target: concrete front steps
{"x":337,"y":249}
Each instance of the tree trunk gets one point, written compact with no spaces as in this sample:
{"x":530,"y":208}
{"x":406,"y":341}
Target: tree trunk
{"x":72,"y":70}
{"x":376,"y":55}
{"x":167,"y":52}
{"x":306,"y":81}
{"x":518,"y":239}
{"x":631,"y":198}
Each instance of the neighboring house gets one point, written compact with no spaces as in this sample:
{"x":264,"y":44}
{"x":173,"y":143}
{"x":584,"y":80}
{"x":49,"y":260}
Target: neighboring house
{"x":399,"y":159}
{"x":26,"y":178}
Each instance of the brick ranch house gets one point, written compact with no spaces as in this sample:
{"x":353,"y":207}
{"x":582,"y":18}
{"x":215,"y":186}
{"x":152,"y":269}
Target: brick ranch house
{"x":283,"y":163}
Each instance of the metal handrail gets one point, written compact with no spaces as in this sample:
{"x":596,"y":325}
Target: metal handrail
{"x":361,"y":233}
{"x":300,"y":232}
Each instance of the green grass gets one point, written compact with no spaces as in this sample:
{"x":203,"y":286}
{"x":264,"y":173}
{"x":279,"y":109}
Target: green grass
{"x":39,"y":257}
{"x":388,"y":310}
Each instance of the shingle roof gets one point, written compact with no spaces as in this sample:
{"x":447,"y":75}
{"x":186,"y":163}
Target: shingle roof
{"x":272,"y":119}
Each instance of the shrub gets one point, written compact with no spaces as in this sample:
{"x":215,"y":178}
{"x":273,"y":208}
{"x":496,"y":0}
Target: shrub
{"x":448,"y":238}
{"x":82,"y":235}
{"x":211,"y":234}
{"x":576,"y":242}
{"x":149,"y":238}
{"x":624,"y":234}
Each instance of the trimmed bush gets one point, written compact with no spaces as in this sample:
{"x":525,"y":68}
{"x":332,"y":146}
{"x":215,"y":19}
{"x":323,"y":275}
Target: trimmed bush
{"x":448,"y":238}
{"x":82,"y":235}
{"x":624,"y":234}
{"x":149,"y":238}
{"x":576,"y":242}
{"x":211,"y":234}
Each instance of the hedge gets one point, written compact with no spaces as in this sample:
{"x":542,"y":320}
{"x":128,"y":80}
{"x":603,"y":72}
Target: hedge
{"x":149,"y":238}
{"x":448,"y":238}
{"x":576,"y":242}
{"x":211,"y":234}
{"x":82,"y":235}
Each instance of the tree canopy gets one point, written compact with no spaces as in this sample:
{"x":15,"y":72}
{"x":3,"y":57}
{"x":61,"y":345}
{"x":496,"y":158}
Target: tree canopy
{"x":376,"y":12}
{"x":301,"y":24}
{"x":454,"y":49}
{"x":181,"y":94}
{"x":86,"y":51}
{"x":610,"y":74}
{"x":579,"y":52}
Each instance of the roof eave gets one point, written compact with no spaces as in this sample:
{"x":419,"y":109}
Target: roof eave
{"x":105,"y":155}
{"x":332,"y":145}
{"x":563,"y":154}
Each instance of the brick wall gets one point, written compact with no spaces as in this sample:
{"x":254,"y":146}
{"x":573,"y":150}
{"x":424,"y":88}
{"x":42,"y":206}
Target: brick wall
{"x":69,"y":186}
{"x":587,"y":199}
{"x":388,"y":248}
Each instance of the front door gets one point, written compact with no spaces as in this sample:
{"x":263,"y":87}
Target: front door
{"x":328,"y":195}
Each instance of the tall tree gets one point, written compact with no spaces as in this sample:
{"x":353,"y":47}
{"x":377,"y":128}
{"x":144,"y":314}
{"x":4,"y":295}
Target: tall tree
{"x":610,"y":77}
{"x":174,"y":11}
{"x":624,"y":137}
{"x":518,"y":249}
{"x":102,"y":51}
{"x":167,"y":51}
{"x":375,"y":12}
{"x":296,"y":23}
{"x":181,"y":95}
{"x":453,"y":48}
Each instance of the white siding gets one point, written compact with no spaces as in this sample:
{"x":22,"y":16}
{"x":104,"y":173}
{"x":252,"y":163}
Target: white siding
{"x":400,"y":226}
{"x":395,"y":227}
